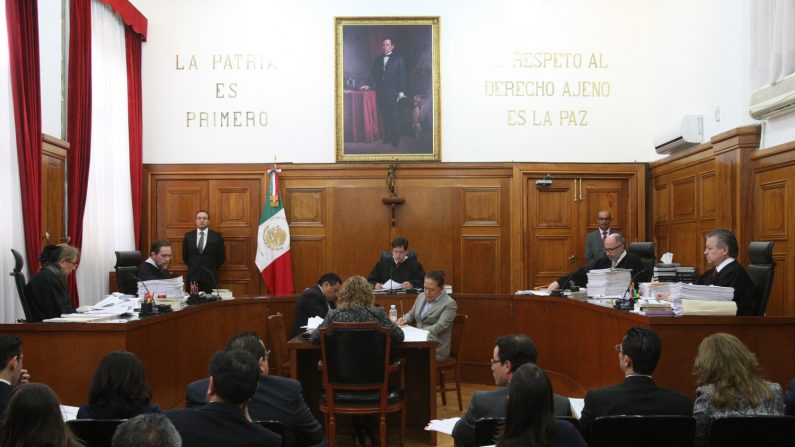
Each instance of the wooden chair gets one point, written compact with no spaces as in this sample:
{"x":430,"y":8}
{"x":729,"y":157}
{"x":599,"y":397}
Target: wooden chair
{"x":277,"y":336}
{"x":356,"y":369}
{"x":643,"y":431}
{"x":95,"y":432}
{"x":752,"y":431}
{"x":452,"y":363}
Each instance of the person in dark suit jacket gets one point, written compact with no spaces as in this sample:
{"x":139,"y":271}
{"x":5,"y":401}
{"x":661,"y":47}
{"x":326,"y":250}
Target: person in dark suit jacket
{"x":617,"y":257}
{"x":11,"y":372}
{"x":203,"y":261}
{"x":156,"y":265}
{"x":594,"y":242}
{"x":277,"y":398}
{"x":638,"y":354}
{"x":388,"y":77}
{"x":510,"y":352}
{"x":789,"y":398}
{"x":233,"y":381}
{"x":316,"y":301}
{"x":47,"y":293}
{"x":721,"y":252}
{"x":400,"y":268}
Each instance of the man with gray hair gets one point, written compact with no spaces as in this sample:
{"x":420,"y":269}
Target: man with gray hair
{"x":721,"y":251}
{"x":147,"y":430}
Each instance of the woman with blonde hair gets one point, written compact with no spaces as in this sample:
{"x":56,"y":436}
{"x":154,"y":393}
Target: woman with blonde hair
{"x":729,"y":384}
{"x":47,"y":293}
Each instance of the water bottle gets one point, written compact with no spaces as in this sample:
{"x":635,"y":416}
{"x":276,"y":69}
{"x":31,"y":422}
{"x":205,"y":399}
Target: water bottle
{"x":393,"y":313}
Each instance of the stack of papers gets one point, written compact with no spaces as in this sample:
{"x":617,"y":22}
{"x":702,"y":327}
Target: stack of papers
{"x":168,"y":287}
{"x":604,"y":282}
{"x":391,"y":285}
{"x":312,"y":323}
{"x":442,"y":425}
{"x":681,"y":292}
{"x":652,"y":289}
{"x":410,"y":333}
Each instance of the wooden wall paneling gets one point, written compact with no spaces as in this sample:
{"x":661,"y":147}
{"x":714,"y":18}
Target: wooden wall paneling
{"x":307,"y":253}
{"x":551,"y":231}
{"x":490,"y":316}
{"x":53,"y":191}
{"x":598,"y":195}
{"x":175,"y":213}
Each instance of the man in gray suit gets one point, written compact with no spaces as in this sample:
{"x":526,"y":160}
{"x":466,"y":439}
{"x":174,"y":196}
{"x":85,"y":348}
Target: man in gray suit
{"x":510,"y":352}
{"x":434,"y":311}
{"x":594,"y":242}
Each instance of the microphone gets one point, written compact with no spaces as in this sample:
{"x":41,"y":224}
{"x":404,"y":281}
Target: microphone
{"x":215,"y":284}
{"x":391,"y":272}
{"x":634,"y":277}
{"x":135,"y":277}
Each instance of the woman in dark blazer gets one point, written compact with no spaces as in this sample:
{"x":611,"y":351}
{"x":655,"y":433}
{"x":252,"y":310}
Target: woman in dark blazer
{"x":47,"y":293}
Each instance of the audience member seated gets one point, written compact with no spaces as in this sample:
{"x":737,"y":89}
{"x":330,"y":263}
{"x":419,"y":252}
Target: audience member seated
{"x":356,"y":304}
{"x":47,"y":293}
{"x":277,"y":398}
{"x":529,"y":420}
{"x":12,"y":374}
{"x":234,"y":376}
{"x":316,"y":301}
{"x":33,"y":418}
{"x":510,"y":353}
{"x":638,"y":355}
{"x":404,"y":270}
{"x":721,"y":252}
{"x":789,"y":398}
{"x":118,"y":389}
{"x":147,"y":430}
{"x":434,"y":311}
{"x":156,"y":265}
{"x":729,"y":384}
{"x":617,"y":257}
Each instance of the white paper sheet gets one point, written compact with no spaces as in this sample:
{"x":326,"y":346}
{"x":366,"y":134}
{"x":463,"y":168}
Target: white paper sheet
{"x":410,"y":333}
{"x":442,"y":425}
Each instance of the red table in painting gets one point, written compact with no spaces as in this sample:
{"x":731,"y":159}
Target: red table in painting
{"x":361,"y":116}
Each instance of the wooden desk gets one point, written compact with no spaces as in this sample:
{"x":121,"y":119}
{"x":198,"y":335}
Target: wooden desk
{"x":420,"y":382}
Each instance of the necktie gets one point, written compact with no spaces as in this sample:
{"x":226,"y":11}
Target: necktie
{"x":604,"y":234}
{"x":714,"y":274}
{"x":201,"y":242}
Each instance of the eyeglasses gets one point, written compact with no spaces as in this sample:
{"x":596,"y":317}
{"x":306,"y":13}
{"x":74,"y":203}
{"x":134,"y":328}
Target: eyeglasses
{"x":618,"y":348}
{"x":267,"y":354}
{"x":612,"y":249}
{"x":497,"y":361}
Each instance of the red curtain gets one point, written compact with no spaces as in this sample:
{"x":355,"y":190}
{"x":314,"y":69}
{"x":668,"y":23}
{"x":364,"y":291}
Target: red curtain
{"x":23,"y":45}
{"x":78,"y":123}
{"x":135,"y":116}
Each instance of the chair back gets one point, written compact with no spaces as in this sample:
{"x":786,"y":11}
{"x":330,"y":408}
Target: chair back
{"x":457,"y":335}
{"x":127,"y":263}
{"x":761,"y":268}
{"x":645,"y":251}
{"x":277,"y":427}
{"x":752,"y":431}
{"x":488,"y":430}
{"x":277,"y":337}
{"x":95,"y":432}
{"x":20,"y":282}
{"x":355,"y":355}
{"x":643,"y":431}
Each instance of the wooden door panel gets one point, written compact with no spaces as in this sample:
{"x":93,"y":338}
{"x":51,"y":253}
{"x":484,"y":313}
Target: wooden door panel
{"x":363,"y":229}
{"x":480,"y":266}
{"x":53,"y":194}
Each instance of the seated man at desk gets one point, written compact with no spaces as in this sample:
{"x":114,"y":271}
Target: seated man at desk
{"x":316,"y":301}
{"x":721,"y":251}
{"x":156,"y":266}
{"x":402,"y":269}
{"x":617,"y":257}
{"x":434,"y":311}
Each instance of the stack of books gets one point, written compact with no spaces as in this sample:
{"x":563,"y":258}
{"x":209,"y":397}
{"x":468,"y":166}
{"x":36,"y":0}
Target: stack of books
{"x":654,"y":308}
{"x":674,"y":273}
{"x":608,"y":282}
{"x":702,"y":297}
{"x":686,"y":273}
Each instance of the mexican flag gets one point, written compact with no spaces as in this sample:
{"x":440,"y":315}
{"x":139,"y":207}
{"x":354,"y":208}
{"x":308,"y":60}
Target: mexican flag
{"x":273,"y":241}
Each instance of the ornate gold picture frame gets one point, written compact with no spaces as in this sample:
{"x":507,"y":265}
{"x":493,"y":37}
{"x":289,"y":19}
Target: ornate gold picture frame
{"x":387,"y":101}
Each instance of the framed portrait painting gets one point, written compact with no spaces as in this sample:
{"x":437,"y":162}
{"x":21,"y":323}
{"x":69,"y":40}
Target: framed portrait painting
{"x":387,"y":104}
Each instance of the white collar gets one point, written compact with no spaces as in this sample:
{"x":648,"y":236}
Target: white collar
{"x":725,"y":262}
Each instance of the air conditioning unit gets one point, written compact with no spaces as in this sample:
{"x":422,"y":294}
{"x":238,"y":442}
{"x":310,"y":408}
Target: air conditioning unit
{"x":690,"y":134}
{"x":773,"y":100}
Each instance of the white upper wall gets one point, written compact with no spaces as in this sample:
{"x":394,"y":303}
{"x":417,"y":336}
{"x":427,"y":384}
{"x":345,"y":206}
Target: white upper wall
{"x":51,"y":67}
{"x":665,"y":59}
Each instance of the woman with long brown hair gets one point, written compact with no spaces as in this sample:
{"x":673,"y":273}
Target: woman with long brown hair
{"x":729,"y":384}
{"x":33,"y":418}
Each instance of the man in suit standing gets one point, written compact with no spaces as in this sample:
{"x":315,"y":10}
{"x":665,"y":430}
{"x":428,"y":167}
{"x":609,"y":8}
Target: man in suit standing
{"x":224,"y":420}
{"x":156,"y":265}
{"x":434,"y":311}
{"x":316,"y":301}
{"x":721,"y":252}
{"x":388,"y":77}
{"x":617,"y":257}
{"x":594,"y":242}
{"x":12,"y":373}
{"x":276,"y":399}
{"x":510,"y":352}
{"x":638,"y":354}
{"x":203,"y":253}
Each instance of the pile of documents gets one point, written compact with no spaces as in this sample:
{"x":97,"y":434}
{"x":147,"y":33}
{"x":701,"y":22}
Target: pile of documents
{"x":174,"y":287}
{"x":691,"y":299}
{"x":608,"y":282}
{"x":652,"y":289}
{"x":655,"y":308}
{"x":674,"y":273}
